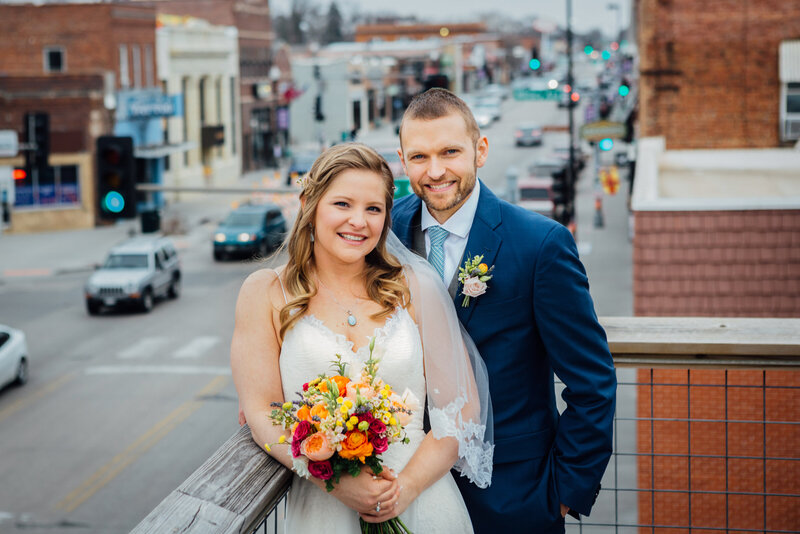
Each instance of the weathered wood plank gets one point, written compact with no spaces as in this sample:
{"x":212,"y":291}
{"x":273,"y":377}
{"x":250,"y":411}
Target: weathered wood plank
{"x":230,"y":493}
{"x":685,"y":335}
{"x":184,"y":514}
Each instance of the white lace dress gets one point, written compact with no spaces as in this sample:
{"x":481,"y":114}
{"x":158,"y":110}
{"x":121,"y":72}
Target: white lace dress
{"x":308,"y":349}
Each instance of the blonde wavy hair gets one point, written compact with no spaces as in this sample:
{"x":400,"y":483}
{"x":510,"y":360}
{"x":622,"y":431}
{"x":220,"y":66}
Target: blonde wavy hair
{"x":383,"y":276}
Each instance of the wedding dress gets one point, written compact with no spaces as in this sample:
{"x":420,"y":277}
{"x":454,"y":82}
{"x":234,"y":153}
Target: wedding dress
{"x":307,"y":351}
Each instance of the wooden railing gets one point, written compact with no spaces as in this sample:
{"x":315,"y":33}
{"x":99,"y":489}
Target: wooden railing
{"x":235,"y":489}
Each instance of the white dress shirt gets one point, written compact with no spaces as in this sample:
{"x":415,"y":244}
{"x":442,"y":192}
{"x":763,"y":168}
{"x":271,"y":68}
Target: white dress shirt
{"x":458,"y":225}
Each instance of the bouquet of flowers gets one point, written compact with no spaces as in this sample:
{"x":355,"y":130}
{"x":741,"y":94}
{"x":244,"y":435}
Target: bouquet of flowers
{"x":340,"y":424}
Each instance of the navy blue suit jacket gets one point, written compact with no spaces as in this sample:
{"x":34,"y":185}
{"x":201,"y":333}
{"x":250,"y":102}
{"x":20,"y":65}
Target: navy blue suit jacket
{"x":536,"y":318}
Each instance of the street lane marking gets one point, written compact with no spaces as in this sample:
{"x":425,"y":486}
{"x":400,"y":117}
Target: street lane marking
{"x":144,"y":348}
{"x":197,"y":347}
{"x":24,"y":401}
{"x":138,"y":448}
{"x":158,"y":370}
{"x":24,"y":273}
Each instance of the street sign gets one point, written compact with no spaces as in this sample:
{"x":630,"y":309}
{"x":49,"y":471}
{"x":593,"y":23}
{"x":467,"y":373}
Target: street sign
{"x":536,"y":94}
{"x":596,"y":131}
{"x":9,"y":143}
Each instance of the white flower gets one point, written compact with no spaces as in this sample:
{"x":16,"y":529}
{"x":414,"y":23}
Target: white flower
{"x":473,"y":287}
{"x":300,"y":466}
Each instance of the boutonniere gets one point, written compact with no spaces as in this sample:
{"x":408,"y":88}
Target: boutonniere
{"x":473,"y":277}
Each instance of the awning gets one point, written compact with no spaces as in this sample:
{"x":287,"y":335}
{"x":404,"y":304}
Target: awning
{"x":790,"y":61}
{"x":160,"y":151}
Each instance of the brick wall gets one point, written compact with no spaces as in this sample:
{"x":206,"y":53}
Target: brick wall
{"x":724,"y":264}
{"x":709,"y":70}
{"x":89,"y":33}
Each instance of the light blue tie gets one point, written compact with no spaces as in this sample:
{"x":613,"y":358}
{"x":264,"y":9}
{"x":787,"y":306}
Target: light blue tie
{"x":437,"y":235}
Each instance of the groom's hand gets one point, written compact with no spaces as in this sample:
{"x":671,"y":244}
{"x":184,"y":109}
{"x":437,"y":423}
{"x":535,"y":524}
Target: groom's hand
{"x":564,"y":510}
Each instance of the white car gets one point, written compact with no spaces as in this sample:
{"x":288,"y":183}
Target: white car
{"x":13,"y":356}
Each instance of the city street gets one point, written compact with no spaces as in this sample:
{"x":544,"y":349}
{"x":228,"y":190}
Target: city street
{"x":122,"y":407}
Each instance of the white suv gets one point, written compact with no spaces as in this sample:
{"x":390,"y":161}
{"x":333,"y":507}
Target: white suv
{"x":135,"y":272}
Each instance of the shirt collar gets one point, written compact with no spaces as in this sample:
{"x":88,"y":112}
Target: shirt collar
{"x":461,"y":221}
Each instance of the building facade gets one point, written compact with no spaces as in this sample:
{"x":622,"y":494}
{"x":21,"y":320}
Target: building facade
{"x":76,"y":72}
{"x":263,"y":82}
{"x":201,"y":62}
{"x":716,"y":205}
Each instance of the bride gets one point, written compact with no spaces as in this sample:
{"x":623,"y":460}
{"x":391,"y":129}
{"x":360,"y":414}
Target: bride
{"x":348,"y":279}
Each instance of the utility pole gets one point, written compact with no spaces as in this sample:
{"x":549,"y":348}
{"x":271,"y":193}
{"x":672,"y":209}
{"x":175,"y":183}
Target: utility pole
{"x":571,"y":109}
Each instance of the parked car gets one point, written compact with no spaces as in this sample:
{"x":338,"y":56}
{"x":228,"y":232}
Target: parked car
{"x":13,"y":356}
{"x":545,"y":167}
{"x":536,"y":194}
{"x":496,"y":90}
{"x":562,"y":153}
{"x":250,"y":230}
{"x":493,"y":104}
{"x":483,"y":116}
{"x":528,"y":135}
{"x":299,"y":164}
{"x":136,"y":272}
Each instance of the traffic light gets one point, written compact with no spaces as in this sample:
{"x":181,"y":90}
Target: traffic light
{"x":563,"y":196}
{"x":534,"y":63}
{"x":116,"y":178}
{"x":37,"y":133}
{"x":606,"y":144}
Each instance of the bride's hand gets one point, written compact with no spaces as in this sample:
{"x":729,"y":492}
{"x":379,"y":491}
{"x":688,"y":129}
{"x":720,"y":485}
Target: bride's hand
{"x":362,"y":493}
{"x":396,"y":506}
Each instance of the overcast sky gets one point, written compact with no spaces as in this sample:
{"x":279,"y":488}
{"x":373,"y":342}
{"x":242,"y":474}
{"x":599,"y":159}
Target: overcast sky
{"x":586,"y":14}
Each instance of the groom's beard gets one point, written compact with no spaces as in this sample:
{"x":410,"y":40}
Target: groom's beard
{"x":465,"y":186}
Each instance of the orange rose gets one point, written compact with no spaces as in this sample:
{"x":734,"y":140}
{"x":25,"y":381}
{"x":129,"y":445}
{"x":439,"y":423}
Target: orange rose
{"x":316,"y":447}
{"x":304,"y":414}
{"x":356,"y":445}
{"x":319,"y":410}
{"x":323,"y":386}
{"x":341,"y":383}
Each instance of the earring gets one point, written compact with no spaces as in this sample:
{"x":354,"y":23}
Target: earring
{"x":311,"y":229}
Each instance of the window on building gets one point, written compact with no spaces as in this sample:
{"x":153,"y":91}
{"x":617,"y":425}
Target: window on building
{"x":124,"y":69}
{"x":202,"y":101}
{"x":184,"y":91}
{"x":789,"y":70}
{"x":136,"y":59}
{"x":55,"y":59}
{"x":57,"y":187}
{"x":149,"y":72}
{"x":233,"y":115}
{"x":218,"y":102}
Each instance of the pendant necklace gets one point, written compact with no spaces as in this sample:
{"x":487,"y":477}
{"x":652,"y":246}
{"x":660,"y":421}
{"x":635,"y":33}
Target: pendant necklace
{"x":351,"y":319}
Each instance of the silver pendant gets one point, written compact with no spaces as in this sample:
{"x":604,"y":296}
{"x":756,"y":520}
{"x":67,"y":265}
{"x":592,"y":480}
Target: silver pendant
{"x":351,"y":319}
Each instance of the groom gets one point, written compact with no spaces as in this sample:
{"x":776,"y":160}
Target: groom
{"x":535,"y":318}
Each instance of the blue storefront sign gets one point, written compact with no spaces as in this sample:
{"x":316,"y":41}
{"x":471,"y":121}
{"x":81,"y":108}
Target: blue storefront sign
{"x":139,"y":115}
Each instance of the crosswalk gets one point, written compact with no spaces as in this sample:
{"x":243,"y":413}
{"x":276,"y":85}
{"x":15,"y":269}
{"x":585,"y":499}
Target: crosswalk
{"x":162,"y":346}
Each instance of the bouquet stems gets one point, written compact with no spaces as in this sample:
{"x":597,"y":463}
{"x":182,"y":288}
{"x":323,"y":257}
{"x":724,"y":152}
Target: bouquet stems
{"x":394,"y":525}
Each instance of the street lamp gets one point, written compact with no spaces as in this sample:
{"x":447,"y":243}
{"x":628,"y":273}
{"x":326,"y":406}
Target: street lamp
{"x":618,"y":9}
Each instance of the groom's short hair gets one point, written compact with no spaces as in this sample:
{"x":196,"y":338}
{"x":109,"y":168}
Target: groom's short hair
{"x":436,"y":103}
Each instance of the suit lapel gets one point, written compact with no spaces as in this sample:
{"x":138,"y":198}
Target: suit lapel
{"x":403,"y":221}
{"x":482,"y":240}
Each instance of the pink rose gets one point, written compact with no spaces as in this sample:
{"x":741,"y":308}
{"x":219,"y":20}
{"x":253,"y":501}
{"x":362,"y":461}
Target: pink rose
{"x":377,"y":427}
{"x":302,"y":430}
{"x":473,"y":287}
{"x":321,"y":470}
{"x":364,"y":390}
{"x":379,"y":443}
